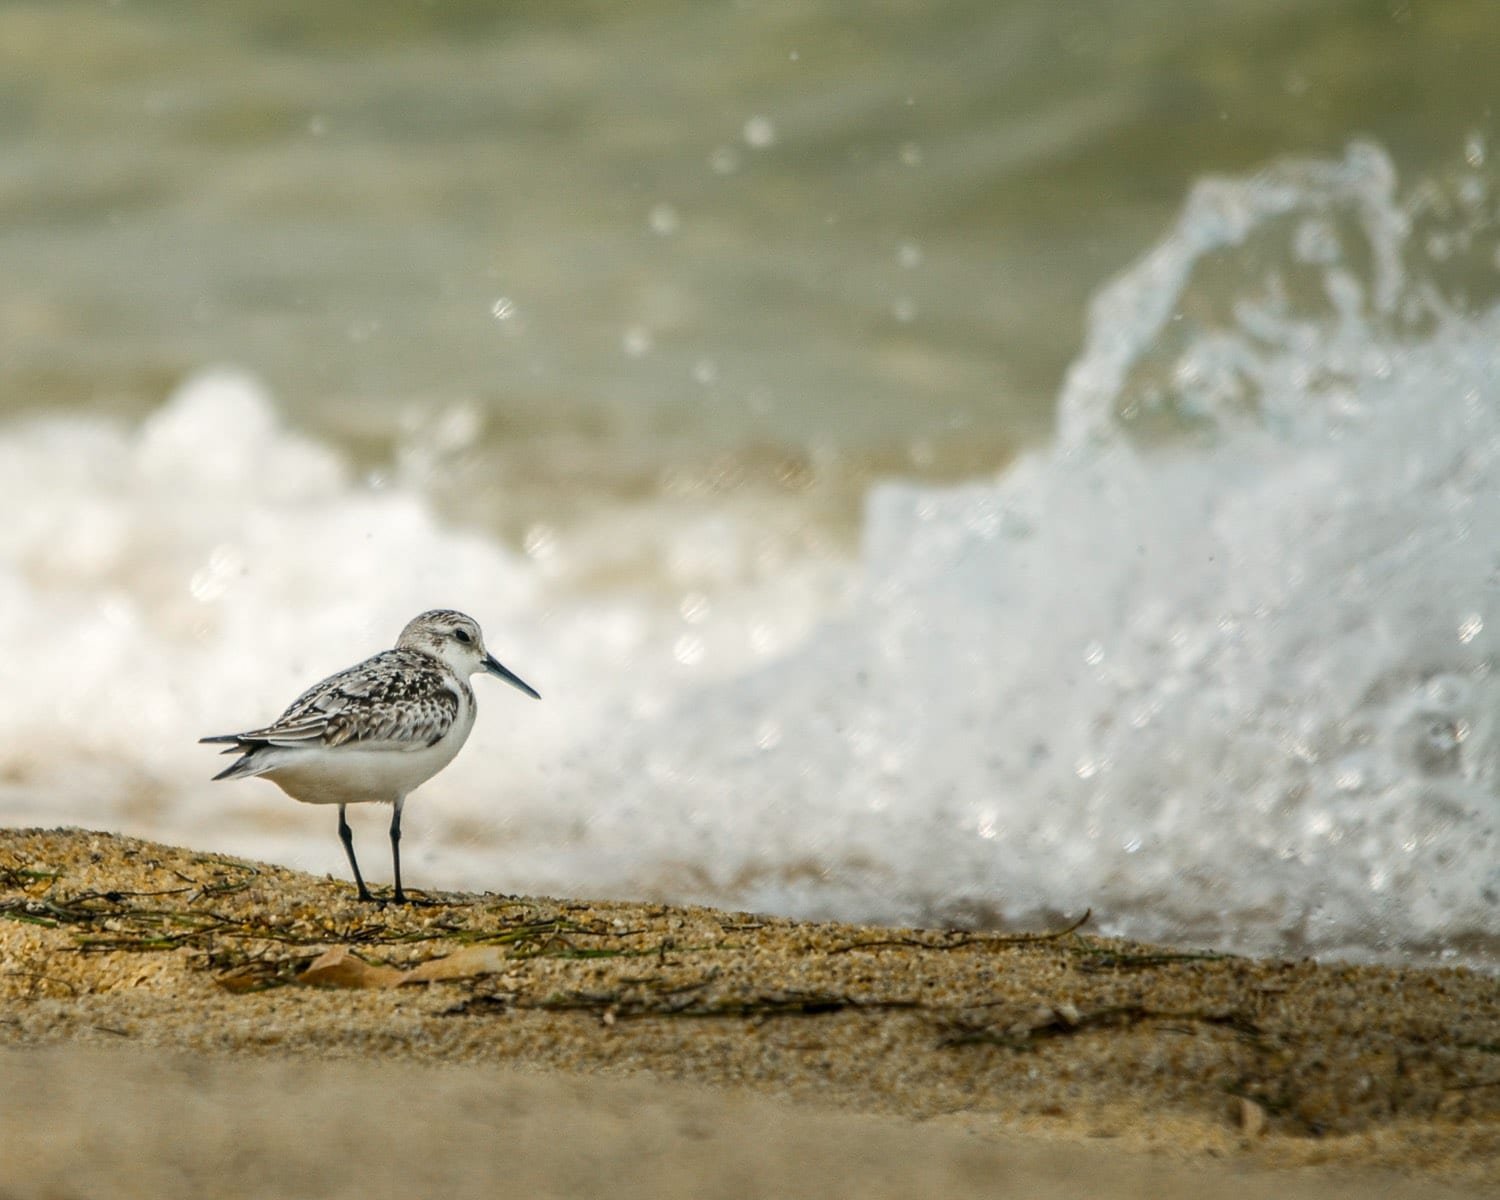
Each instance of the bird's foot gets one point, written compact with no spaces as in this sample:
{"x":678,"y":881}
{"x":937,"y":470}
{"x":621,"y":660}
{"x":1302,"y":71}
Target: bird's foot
{"x":414,"y":901}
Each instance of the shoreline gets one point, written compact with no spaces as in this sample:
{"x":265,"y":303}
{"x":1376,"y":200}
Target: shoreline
{"x":120,"y":951}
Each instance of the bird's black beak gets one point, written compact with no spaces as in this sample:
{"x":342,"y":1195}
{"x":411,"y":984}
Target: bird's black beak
{"x":492,"y":665}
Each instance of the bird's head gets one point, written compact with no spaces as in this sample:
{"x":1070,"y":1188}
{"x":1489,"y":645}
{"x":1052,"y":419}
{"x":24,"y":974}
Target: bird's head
{"x":456,"y":639}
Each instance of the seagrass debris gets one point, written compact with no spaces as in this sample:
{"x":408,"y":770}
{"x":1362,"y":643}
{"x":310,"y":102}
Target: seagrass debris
{"x":1310,"y":1048}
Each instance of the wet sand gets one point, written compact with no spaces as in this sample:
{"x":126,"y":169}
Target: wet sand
{"x":173,"y":1021}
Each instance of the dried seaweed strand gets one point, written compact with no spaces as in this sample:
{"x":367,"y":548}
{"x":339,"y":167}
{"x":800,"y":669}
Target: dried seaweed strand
{"x":959,"y":941}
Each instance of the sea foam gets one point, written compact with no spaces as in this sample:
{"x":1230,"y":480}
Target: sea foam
{"x":1217,"y":663}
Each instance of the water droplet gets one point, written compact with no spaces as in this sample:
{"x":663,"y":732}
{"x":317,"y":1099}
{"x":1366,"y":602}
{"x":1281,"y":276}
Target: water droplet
{"x":211,"y":581}
{"x":503,"y":309}
{"x":636,"y":342}
{"x":540,"y":541}
{"x":1475,"y":149}
{"x":688,"y":650}
{"x":705,"y":371}
{"x":909,"y":255}
{"x":663,"y":220}
{"x":455,"y":428}
{"x":760,"y":132}
{"x":1470,"y":628}
{"x":762,"y":638}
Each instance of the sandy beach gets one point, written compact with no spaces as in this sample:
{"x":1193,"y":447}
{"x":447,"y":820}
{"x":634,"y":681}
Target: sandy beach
{"x":172,"y":1022}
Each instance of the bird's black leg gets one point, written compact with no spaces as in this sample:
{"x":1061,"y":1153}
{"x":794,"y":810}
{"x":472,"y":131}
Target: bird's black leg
{"x":348,"y":839}
{"x":400,"y":896}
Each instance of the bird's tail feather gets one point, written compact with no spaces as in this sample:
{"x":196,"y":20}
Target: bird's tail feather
{"x":251,"y":761}
{"x":244,"y":765}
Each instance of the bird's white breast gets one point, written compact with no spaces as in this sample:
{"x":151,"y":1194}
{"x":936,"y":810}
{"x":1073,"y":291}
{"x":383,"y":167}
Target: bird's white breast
{"x":363,"y":772}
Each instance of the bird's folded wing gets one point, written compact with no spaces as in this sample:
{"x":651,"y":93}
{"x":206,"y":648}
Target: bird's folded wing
{"x":382,"y":702}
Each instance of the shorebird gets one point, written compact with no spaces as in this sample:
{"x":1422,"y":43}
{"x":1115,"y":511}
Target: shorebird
{"x":377,"y":731}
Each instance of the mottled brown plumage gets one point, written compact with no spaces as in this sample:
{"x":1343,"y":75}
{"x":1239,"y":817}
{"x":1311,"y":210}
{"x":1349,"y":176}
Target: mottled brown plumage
{"x":398,"y":696}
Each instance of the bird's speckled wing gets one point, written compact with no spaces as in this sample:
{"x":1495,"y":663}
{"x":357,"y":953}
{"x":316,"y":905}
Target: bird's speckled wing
{"x":401,"y":699}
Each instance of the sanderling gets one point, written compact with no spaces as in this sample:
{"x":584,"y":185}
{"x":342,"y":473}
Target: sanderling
{"x":378,"y":730}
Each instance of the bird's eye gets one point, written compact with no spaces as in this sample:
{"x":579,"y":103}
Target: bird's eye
{"x":463,"y":636}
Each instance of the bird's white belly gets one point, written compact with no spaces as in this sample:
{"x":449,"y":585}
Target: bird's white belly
{"x":354,"y":774}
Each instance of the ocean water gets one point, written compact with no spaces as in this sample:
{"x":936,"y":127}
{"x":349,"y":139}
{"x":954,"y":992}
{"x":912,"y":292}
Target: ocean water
{"x":866,"y":570}
{"x":1216,"y":661}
